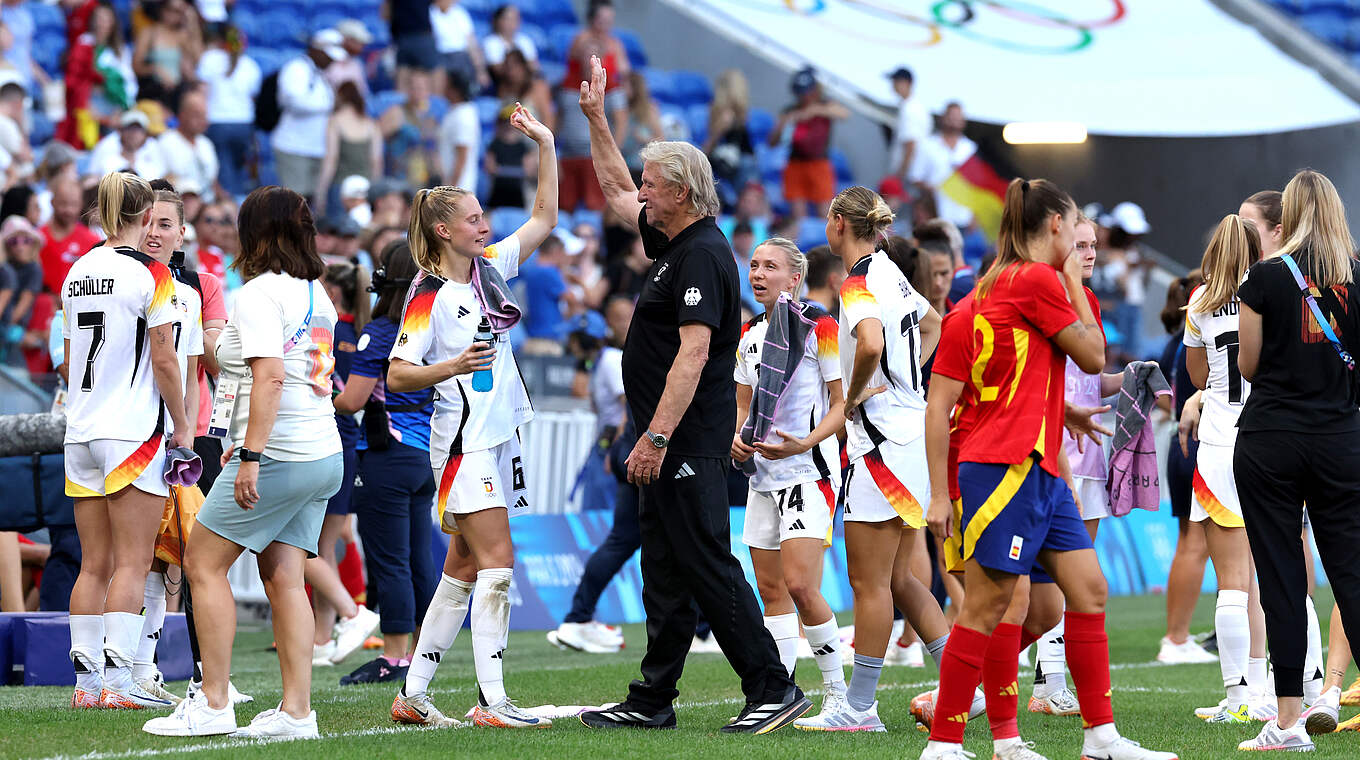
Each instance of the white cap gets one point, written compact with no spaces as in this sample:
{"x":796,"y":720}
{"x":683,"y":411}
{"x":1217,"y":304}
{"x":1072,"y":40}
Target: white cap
{"x":354,"y":186}
{"x":353,"y":29}
{"x":1129,"y":217}
{"x":331,"y":43}
{"x":134,"y":116}
{"x":573,"y":244}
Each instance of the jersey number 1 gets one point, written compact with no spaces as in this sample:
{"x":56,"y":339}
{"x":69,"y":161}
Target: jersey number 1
{"x":1227,"y":341}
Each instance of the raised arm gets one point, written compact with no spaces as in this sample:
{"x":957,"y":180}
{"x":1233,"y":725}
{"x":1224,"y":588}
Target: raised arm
{"x":610,"y":168}
{"x":543,"y":217}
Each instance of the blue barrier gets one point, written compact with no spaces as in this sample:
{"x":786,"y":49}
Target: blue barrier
{"x":35,"y":646}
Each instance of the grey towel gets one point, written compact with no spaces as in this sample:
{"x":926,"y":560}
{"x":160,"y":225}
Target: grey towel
{"x":498,"y":302}
{"x":1133,"y":481}
{"x":785,"y":341}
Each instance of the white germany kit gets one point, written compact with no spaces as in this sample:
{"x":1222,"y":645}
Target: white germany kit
{"x":188,"y":335}
{"x":793,"y":497}
{"x":115,"y":420}
{"x":474,"y":440}
{"x":1214,"y":486}
{"x":887,"y":476}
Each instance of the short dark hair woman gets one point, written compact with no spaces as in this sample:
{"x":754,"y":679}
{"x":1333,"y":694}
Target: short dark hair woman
{"x":284,"y":461}
{"x":1299,"y":431}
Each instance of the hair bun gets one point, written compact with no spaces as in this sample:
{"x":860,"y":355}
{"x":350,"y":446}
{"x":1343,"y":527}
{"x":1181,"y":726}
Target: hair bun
{"x":880,"y":215}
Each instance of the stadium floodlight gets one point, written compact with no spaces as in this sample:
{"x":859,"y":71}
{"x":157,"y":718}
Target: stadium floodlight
{"x":1044,"y":133}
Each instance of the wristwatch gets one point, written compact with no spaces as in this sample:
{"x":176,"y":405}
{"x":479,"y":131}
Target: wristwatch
{"x":658,"y":440}
{"x":246,"y":455}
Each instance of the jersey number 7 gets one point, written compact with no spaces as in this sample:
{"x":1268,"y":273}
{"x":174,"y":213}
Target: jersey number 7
{"x":93,"y":321}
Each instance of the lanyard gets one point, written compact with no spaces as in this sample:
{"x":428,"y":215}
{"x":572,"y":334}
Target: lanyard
{"x":306,"y":322}
{"x":1317,"y":312}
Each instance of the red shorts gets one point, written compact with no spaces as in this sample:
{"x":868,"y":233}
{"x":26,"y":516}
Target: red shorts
{"x":812,"y":181}
{"x":578,"y":186}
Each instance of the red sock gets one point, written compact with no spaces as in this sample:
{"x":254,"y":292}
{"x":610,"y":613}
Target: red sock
{"x":1000,"y":681}
{"x":960,"y":673}
{"x":1088,"y":657}
{"x":351,"y":571}
{"x":1027,"y":638}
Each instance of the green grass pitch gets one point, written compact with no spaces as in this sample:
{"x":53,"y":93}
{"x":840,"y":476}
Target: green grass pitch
{"x":1153,"y":705}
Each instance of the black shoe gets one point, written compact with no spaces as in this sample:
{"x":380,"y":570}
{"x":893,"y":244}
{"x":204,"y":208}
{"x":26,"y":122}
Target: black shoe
{"x":1210,"y":642}
{"x":763,"y":718}
{"x":377,"y":671}
{"x":628,"y":715}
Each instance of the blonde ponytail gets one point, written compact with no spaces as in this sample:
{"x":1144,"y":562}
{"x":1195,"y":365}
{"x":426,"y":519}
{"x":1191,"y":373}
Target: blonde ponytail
{"x":431,"y":206}
{"x":123,"y":198}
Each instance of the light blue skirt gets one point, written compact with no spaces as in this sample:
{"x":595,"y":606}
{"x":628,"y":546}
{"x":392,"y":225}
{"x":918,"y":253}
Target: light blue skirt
{"x":292,"y":503}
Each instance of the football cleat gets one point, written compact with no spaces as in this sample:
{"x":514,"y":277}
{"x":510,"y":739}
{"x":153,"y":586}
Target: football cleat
{"x":83,"y":699}
{"x":838,"y":715}
{"x":923,"y":708}
{"x":155,"y":686}
{"x":418,"y":710}
{"x":1230,"y":714}
{"x":1205,"y":713}
{"x":1349,"y":725}
{"x":1351,"y":696}
{"x":1061,"y":702}
{"x":506,"y":714}
{"x":1017,"y":751}
{"x":134,"y":698}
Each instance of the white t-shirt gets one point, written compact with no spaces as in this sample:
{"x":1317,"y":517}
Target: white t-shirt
{"x":188,"y":307}
{"x":107,"y":156}
{"x":271,"y":311}
{"x":494,"y":48}
{"x":935,"y":161}
{"x":452,"y":28}
{"x":877,"y":289}
{"x":439,"y":322}
{"x":305,"y":102}
{"x":803,"y":405}
{"x":111,"y":298}
{"x":606,"y":388}
{"x":913,"y":123}
{"x":1226,"y":390}
{"x":461,"y":126}
{"x":231,"y":92}
{"x":188,"y":163}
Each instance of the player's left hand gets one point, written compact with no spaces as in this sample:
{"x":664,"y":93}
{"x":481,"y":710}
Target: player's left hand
{"x":247,"y":485}
{"x":790,"y":445}
{"x":644,"y":463}
{"x":1081,"y":422}
{"x":852,"y":404}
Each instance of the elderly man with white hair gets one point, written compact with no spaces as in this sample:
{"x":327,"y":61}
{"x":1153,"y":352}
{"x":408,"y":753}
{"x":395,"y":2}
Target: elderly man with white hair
{"x":678,"y":368}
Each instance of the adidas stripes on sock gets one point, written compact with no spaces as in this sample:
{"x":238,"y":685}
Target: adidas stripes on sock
{"x":153,"y":619}
{"x":784,"y":630}
{"x":444,"y":618}
{"x":864,"y":681}
{"x":1312,"y":663}
{"x":1000,"y":680}
{"x":1234,"y":644}
{"x":490,"y":629}
{"x":121,"y":631}
{"x":825,"y":640}
{"x":87,"y":651}
{"x":1050,"y":659}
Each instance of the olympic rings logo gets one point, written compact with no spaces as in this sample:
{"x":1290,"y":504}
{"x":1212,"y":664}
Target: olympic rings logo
{"x":1015,"y":25}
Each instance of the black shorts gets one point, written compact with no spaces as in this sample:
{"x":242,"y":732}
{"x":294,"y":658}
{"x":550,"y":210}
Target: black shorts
{"x":1180,"y":473}
{"x":417,"y":51}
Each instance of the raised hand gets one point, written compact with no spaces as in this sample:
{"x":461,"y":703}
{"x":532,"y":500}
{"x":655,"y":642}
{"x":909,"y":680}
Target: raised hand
{"x":592,"y":92}
{"x":525,"y":122}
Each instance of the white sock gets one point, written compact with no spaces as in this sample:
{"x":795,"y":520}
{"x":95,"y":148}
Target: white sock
{"x":1051,"y":659}
{"x":153,"y":619}
{"x":1256,"y":677}
{"x":443,"y":619}
{"x":784,"y":629}
{"x":87,"y":651}
{"x":490,"y":629}
{"x":1101,"y":735}
{"x":1312,"y":662}
{"x":825,"y":640}
{"x":1234,"y":644}
{"x":121,"y":631}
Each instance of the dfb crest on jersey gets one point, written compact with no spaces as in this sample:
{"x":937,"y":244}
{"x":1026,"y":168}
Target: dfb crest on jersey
{"x":693,"y":297}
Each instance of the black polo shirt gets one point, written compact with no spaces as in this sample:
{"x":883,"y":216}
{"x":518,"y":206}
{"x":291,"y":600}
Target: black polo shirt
{"x":693,"y":278}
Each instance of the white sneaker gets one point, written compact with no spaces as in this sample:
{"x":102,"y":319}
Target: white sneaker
{"x":912,"y":655}
{"x":979,"y":706}
{"x":506,"y":714}
{"x":233,"y":696}
{"x":607,"y":631}
{"x":1122,"y":749}
{"x":1188,"y":653}
{"x":193,"y":717}
{"x":1321,"y":718}
{"x":938,"y":751}
{"x":838,"y":715}
{"x":351,"y":633}
{"x":585,"y":637}
{"x":705,"y":646}
{"x":418,"y":710}
{"x":1017,"y":751}
{"x":322,"y":654}
{"x":155,"y":686}
{"x":1272,"y":737}
{"x":1262,"y":708}
{"x":1060,"y":702}
{"x":274,"y":723}
{"x":1205,"y":713}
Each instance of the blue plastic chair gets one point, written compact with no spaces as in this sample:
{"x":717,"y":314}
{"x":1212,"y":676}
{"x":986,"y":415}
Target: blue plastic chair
{"x":380,"y":102}
{"x":46,"y":18}
{"x":697,"y":118}
{"x":662,"y":85}
{"x":811,"y":232}
{"x":632,"y":44}
{"x":505,"y":220}
{"x":692,"y":88}
{"x":759,"y":122}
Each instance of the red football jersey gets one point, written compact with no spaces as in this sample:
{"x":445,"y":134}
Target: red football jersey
{"x":1017,"y":370}
{"x":954,"y":359}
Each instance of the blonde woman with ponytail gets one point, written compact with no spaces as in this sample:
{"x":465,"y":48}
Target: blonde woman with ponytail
{"x":474,"y":433}
{"x":125,"y":379}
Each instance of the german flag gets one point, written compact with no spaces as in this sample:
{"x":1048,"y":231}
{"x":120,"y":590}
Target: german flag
{"x":978,"y":186}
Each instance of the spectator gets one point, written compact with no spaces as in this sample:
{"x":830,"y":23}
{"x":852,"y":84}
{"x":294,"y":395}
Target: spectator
{"x":911,"y":128}
{"x":131,"y":147}
{"x":190,"y":158}
{"x":507,"y":161}
{"x":58,"y":162}
{"x":743,"y":243}
{"x":354,"y":145}
{"x":218,"y":242}
{"x":325,"y":239}
{"x":16,"y":156}
{"x":579,"y":184}
{"x":1128,"y":269}
{"x":19,"y":21}
{"x":644,"y":123}
{"x":21,"y":243}
{"x":391,"y":201}
{"x":455,"y":40}
{"x":410,"y":131}
{"x":506,"y":36}
{"x":729,"y":145}
{"x":939,"y":155}
{"x":233,"y":80}
{"x":346,"y":245}
{"x":412,"y":36}
{"x":597,"y":38}
{"x":809,"y":178}
{"x":518,"y":82}
{"x":20,"y":200}
{"x":99,"y":81}
{"x":546,"y":298}
{"x":628,"y":274}
{"x":825,"y":274}
{"x":460,"y":137}
{"x":381,"y":237}
{"x":354,"y":37}
{"x":753,"y":209}
{"x":167,"y":51}
{"x":305,"y":101}
{"x":65,"y":239}
{"x":354,"y":199}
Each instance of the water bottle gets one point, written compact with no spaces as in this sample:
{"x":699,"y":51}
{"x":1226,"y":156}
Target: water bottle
{"x":481,"y":379}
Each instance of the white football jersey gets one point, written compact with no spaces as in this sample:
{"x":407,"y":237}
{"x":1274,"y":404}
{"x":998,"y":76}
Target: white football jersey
{"x":111,"y":298}
{"x":439,"y":322}
{"x":188,"y":333}
{"x":876,"y":289}
{"x":802,"y":406}
{"x":1227,"y":390}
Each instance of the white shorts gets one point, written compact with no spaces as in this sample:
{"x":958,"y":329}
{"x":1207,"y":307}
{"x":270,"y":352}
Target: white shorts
{"x":1215,"y":488}
{"x":477,"y":480}
{"x":1095,"y":497}
{"x":800,"y":511}
{"x":890,"y":482}
{"x":105,"y":466}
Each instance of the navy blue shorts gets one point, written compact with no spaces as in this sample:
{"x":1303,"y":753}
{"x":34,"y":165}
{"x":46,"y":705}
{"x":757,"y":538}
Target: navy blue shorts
{"x":1012,"y":512}
{"x":342,"y":503}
